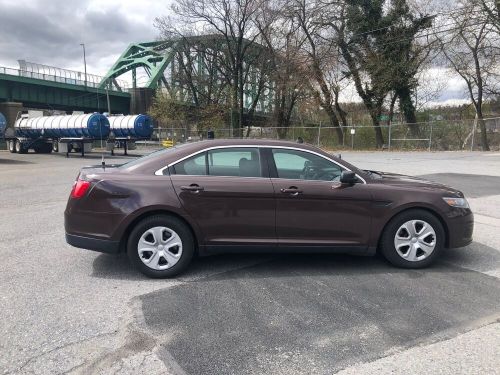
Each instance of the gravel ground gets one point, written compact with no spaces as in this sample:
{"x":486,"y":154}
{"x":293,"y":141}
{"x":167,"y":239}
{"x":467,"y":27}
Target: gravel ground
{"x":66,"y":310}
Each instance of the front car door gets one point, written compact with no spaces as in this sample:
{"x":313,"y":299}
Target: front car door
{"x":312,"y":207}
{"x":229,"y":194}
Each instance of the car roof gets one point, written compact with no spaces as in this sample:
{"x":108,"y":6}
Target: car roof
{"x":200,"y":145}
{"x":169,"y":156}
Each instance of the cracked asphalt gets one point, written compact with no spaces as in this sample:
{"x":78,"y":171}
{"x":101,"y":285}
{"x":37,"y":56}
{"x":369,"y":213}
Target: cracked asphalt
{"x":65,"y":310}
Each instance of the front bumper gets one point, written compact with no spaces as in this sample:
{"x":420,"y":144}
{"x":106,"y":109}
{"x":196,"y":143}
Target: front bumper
{"x":95,"y":244}
{"x":460,"y":229}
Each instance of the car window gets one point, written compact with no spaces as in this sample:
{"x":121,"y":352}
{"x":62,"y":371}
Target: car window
{"x":244,"y":162}
{"x":193,"y":166}
{"x":301,"y":165}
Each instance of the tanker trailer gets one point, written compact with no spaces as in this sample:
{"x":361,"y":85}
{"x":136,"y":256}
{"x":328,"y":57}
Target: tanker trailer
{"x":57,"y":133}
{"x":125,"y":130}
{"x":3,"y":125}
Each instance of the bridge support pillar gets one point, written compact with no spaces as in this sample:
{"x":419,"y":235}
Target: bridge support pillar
{"x":141,"y":99}
{"x":11,"y":111}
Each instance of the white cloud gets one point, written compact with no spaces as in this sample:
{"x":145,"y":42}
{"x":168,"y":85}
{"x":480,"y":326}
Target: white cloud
{"x":50,"y":32}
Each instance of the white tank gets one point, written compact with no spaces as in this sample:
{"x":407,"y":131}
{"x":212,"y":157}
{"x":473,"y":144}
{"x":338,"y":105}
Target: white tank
{"x":92,"y":125}
{"x":137,"y":126}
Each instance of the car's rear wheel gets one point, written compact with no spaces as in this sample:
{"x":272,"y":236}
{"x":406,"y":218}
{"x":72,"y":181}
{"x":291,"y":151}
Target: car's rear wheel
{"x":413,"y":239}
{"x":161,"y":246}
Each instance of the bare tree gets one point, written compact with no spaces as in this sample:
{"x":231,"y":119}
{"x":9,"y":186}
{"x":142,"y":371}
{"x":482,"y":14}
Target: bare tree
{"x":492,"y":9}
{"x":232,"y":23}
{"x":472,"y":51}
{"x":321,"y":58}
{"x":280,"y":35}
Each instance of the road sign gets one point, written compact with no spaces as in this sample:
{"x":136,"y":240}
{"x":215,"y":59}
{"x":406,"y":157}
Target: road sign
{"x":168,"y":143}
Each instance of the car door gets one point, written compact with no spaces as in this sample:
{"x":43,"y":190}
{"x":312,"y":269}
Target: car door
{"x":312,"y":206}
{"x":229,"y":194}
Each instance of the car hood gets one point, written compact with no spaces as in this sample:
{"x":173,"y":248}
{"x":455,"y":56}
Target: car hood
{"x":395,"y":179}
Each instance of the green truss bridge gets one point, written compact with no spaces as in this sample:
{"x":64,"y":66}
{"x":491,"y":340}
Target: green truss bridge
{"x":191,"y":70}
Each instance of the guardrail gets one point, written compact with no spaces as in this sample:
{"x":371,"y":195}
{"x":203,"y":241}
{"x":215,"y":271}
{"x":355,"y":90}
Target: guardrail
{"x":56,"y":78}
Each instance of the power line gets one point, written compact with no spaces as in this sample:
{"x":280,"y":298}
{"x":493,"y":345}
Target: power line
{"x":431,"y":33}
{"x":457,"y":10}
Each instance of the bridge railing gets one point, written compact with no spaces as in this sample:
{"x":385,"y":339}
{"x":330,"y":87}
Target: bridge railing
{"x":55,"y":78}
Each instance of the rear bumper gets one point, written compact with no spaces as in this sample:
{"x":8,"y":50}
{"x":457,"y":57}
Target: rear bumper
{"x":95,"y":244}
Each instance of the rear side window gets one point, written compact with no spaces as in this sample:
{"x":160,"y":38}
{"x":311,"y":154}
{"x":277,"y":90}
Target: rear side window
{"x":244,"y":162}
{"x":193,"y":166}
{"x":236,"y":162}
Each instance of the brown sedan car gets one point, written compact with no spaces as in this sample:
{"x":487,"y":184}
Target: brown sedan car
{"x":259,"y":195}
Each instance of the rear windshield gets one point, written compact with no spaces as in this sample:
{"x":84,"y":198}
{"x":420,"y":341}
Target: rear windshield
{"x":154,"y":154}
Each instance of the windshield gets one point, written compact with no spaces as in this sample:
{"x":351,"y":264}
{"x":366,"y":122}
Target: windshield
{"x":373,"y":174}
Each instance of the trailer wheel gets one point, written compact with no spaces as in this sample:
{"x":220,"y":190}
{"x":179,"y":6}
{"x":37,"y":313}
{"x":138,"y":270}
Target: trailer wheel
{"x":20,"y":149}
{"x":55,"y":146}
{"x":12,"y":146}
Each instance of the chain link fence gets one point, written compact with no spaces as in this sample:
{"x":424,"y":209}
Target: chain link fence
{"x":431,"y":136}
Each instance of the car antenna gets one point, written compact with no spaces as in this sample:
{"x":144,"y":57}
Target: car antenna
{"x":103,"y":163}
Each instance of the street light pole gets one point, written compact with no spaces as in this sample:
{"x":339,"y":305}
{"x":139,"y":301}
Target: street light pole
{"x":84,"y":63}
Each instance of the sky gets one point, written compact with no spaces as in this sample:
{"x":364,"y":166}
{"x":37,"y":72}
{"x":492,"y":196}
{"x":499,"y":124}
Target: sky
{"x":50,"y":32}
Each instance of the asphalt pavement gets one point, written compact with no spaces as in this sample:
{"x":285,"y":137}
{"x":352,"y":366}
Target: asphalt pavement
{"x":66,"y":310}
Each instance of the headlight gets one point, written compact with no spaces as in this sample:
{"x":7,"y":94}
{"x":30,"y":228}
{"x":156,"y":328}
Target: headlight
{"x":456,"y":202}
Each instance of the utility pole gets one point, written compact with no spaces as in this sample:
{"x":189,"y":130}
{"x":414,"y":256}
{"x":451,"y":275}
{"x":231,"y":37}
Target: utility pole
{"x":474,"y":127}
{"x":84,"y":62}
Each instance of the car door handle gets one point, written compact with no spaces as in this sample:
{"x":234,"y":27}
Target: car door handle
{"x":193,"y":187}
{"x":292,"y":190}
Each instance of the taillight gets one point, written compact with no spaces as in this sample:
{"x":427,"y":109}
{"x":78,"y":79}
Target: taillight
{"x":80,"y":187}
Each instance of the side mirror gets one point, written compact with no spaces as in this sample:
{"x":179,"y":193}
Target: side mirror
{"x":348,"y":177}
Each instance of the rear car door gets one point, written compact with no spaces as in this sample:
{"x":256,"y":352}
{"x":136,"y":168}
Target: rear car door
{"x":230,"y":195}
{"x":312,"y":206}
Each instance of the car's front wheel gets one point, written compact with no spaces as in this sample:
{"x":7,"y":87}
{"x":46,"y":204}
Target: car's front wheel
{"x":412,"y":239}
{"x":161,"y":246}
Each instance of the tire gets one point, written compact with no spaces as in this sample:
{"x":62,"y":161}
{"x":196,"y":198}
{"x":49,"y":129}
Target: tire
{"x":419,"y":237}
{"x":12,"y":146}
{"x":20,"y":149}
{"x":39,"y":148}
{"x":55,"y":146}
{"x":146,"y":232}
